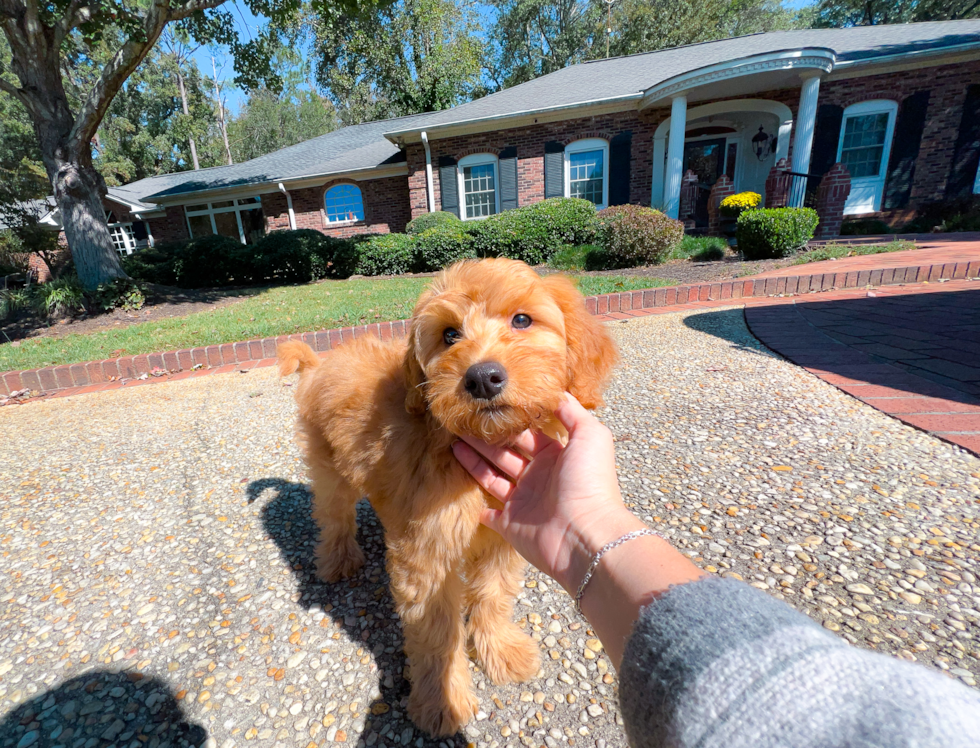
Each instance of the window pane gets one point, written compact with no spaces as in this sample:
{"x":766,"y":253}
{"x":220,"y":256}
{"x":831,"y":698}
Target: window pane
{"x":864,"y":144}
{"x":200,"y":226}
{"x":227,"y":225}
{"x":480,"y":191}
{"x":254,"y":225}
{"x":122,"y":238}
{"x":192,"y":208}
{"x":343,"y":203}
{"x":249,"y":200}
{"x":222,"y":204}
{"x":585,"y":176}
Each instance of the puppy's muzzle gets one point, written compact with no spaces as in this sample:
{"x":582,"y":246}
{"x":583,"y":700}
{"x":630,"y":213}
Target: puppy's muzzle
{"x":486,"y":380}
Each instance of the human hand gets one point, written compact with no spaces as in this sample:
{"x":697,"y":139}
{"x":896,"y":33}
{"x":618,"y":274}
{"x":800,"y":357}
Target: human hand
{"x":560,"y":504}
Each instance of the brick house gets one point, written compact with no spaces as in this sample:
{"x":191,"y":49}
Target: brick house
{"x":893,"y":109}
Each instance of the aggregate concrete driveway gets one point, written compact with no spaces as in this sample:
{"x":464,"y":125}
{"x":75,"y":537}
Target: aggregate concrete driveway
{"x":156,"y":585}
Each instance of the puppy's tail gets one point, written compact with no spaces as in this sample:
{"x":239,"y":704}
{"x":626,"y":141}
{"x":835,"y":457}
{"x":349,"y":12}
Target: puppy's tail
{"x":296,"y":356}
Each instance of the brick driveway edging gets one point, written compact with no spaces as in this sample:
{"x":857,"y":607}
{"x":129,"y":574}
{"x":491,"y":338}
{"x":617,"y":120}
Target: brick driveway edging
{"x":93,"y":376}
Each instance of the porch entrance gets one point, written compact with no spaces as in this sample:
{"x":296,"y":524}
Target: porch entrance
{"x":707,"y":159}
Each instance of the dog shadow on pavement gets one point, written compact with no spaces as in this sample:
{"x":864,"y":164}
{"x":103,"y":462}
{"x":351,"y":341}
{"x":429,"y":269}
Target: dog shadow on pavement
{"x":362,"y":605}
{"x":102,"y":708}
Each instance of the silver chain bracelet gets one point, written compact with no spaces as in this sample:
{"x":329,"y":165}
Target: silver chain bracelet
{"x":605,"y":549}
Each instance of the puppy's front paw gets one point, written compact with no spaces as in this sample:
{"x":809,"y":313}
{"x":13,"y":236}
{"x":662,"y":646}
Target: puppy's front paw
{"x":507,"y":654}
{"x":439,"y":713}
{"x":336,"y":561}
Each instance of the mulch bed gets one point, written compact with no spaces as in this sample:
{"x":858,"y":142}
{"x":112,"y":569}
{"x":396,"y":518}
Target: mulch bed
{"x":161,"y":302}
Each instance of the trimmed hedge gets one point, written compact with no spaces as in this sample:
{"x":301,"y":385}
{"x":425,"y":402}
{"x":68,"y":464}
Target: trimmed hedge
{"x":428,"y":221}
{"x":440,"y":246}
{"x":775,"y":232}
{"x":634,"y":235}
{"x":385,"y":254}
{"x":286,"y":256}
{"x":535,"y":232}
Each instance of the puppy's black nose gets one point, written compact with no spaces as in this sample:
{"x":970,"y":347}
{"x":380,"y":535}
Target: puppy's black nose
{"x":486,"y":380}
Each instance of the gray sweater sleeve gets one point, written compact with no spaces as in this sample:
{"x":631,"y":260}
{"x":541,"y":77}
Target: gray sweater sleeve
{"x":719,"y":664}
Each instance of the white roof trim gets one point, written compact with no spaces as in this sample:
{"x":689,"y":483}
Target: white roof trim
{"x":906,"y":56}
{"x":806,"y":58}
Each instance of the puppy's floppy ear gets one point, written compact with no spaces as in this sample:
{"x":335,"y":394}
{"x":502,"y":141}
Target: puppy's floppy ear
{"x":591,"y":351}
{"x":414,"y":380}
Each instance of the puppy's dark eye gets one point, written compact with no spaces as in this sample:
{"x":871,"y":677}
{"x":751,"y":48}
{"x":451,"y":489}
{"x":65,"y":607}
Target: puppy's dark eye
{"x":451,"y":335}
{"x":521,"y":321}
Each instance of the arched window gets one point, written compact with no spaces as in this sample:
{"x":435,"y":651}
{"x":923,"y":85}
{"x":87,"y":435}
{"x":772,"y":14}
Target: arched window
{"x":477,"y":176}
{"x":587,"y":171}
{"x":344,"y":204}
{"x":865,"y":142}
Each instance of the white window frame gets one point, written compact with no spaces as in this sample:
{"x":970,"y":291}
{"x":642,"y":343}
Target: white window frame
{"x":477,"y":159}
{"x":863,"y":109}
{"x":589,"y":144}
{"x":237,"y":206}
{"x":125,"y":230}
{"x":345,"y":221}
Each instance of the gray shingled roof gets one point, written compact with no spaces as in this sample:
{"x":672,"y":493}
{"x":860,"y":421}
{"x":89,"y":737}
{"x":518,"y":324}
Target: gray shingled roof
{"x":349,"y":149}
{"x":364,"y":146}
{"x":622,"y":76}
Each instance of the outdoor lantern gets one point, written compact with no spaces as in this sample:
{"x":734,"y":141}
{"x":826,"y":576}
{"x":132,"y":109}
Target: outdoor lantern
{"x":763,"y":144}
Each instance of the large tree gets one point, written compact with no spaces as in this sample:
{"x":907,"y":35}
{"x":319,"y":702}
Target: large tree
{"x":841,"y":13}
{"x":38,"y":35}
{"x":406,"y":57}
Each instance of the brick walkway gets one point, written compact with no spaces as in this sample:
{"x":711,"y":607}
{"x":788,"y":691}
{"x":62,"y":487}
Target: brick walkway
{"x":910,"y":351}
{"x":931,"y":253}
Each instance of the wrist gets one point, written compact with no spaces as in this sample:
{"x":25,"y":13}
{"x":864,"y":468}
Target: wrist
{"x":591,"y":535}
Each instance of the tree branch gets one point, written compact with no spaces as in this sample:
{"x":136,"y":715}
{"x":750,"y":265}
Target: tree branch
{"x":10,"y":88}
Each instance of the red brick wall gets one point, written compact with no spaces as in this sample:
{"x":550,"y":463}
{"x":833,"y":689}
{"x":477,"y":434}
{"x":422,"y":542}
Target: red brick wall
{"x":947,"y":83}
{"x":386,"y":208}
{"x":171,"y":228}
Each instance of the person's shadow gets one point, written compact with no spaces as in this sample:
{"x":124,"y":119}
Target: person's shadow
{"x":362,"y":604}
{"x":101,"y":708}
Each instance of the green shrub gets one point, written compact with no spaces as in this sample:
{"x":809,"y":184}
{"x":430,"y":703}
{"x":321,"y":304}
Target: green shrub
{"x":59,"y":298}
{"x":953,"y":215}
{"x":213,"y":261}
{"x":581,"y":257}
{"x":13,"y":300}
{"x":427,"y":221}
{"x":634,"y":235}
{"x":692,"y":246}
{"x":287,"y":256}
{"x":864,"y":227}
{"x":775,"y":232}
{"x":535,"y":232}
{"x":120,"y":293}
{"x":154,"y":264}
{"x":441,"y":246}
{"x":385,"y":254}
{"x":709,"y":254}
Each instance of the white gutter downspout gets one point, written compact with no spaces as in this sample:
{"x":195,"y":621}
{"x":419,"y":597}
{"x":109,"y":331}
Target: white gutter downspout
{"x":289,"y":206}
{"x":430,"y":194}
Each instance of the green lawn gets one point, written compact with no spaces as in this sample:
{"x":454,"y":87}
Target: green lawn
{"x":275,"y":311}
{"x":839,"y":251}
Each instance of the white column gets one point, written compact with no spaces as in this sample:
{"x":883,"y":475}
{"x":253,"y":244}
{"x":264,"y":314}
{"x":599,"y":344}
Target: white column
{"x":675,"y":156}
{"x":657,"y":187}
{"x":806,"y":118}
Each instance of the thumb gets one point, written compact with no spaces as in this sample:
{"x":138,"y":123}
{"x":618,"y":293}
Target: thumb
{"x":492,"y":518}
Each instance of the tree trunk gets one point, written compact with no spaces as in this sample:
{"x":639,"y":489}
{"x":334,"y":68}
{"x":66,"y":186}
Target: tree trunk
{"x":79,"y":190}
{"x":221,"y":113}
{"x":183,"y":99}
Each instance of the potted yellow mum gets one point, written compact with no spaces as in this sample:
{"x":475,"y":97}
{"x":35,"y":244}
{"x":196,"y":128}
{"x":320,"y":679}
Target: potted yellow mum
{"x":733,"y":206}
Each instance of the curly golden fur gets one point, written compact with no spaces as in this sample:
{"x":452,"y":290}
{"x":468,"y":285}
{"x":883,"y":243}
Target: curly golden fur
{"x":379,"y":420}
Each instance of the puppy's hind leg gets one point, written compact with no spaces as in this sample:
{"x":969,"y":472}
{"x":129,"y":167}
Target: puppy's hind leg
{"x":493,"y":573}
{"x":335,"y":510}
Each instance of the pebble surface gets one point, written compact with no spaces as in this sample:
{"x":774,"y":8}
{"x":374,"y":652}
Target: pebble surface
{"x":157,"y":585}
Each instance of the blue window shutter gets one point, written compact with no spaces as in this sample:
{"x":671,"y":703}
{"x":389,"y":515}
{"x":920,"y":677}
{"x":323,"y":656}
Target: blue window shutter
{"x":507,"y":173}
{"x":909,"y":124}
{"x":554,"y":169}
{"x":448,"y":186}
{"x":966,"y":154}
{"x":620,"y":152}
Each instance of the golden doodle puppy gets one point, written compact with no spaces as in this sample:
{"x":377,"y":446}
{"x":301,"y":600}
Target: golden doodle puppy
{"x":491,"y":350}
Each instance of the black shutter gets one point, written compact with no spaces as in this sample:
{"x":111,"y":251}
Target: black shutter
{"x":966,"y":155}
{"x":139,"y":231}
{"x":620,"y":152}
{"x":554,"y":169}
{"x":826,"y":138}
{"x":448,"y":186}
{"x":507,"y":170}
{"x":905,"y":150}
